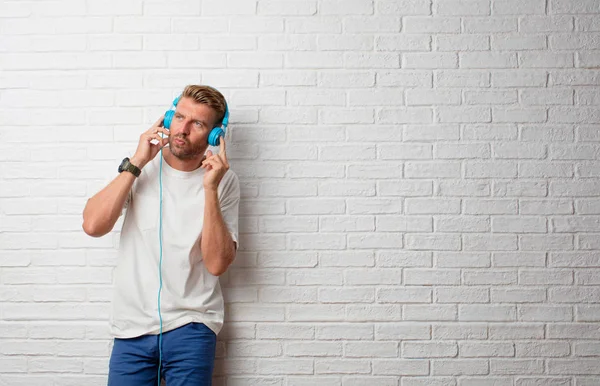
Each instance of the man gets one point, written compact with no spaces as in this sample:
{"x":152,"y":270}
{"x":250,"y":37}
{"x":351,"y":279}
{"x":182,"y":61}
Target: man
{"x":179,"y":262}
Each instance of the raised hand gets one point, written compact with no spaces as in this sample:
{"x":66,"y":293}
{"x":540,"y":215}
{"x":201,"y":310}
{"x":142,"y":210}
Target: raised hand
{"x":216,"y":166}
{"x":150,"y":144}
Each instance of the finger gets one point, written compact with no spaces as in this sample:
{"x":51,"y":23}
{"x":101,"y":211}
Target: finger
{"x":222,"y":152}
{"x":203,"y":162}
{"x":208,"y":160}
{"x":159,"y":122}
{"x":220,"y":159}
{"x":217,"y":157}
{"x":148,"y":137}
{"x":206,"y":165}
{"x":214,"y":162}
{"x":156,"y":130}
{"x":157,"y":137}
{"x":223,"y":161}
{"x":208,"y":154}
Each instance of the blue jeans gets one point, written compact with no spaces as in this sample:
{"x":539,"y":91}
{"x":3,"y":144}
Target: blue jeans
{"x":188,"y":358}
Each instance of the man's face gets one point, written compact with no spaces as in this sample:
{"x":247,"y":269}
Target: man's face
{"x":190,"y":128}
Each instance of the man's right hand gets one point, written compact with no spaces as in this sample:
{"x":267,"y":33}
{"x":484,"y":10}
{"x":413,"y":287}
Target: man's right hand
{"x":146,"y":150}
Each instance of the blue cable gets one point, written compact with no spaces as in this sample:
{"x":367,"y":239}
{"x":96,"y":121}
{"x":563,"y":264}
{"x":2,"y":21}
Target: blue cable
{"x":160,"y":265}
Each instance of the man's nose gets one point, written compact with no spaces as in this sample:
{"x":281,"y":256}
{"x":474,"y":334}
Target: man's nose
{"x":185,"y":128}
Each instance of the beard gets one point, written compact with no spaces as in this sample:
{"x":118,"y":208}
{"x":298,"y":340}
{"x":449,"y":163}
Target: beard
{"x":185,"y":151}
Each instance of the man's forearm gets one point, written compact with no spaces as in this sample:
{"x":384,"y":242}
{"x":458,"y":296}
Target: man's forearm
{"x":102,"y":211}
{"x":216,"y":244}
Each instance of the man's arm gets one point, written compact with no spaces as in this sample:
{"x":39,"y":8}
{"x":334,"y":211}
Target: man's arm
{"x":104,"y":208}
{"x":102,"y":211}
{"x":216,"y":244}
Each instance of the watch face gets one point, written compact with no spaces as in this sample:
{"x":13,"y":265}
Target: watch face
{"x":122,"y":165}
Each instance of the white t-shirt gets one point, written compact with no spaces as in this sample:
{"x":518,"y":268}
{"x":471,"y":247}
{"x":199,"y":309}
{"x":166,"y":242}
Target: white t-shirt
{"x":189,"y":292}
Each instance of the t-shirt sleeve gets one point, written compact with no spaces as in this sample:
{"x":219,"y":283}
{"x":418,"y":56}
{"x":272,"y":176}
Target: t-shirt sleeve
{"x":229,"y":201}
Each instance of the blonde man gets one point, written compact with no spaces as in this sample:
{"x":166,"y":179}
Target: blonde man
{"x":184,"y":258}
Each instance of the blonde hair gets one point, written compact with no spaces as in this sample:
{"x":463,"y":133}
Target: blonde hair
{"x":209,"y":96}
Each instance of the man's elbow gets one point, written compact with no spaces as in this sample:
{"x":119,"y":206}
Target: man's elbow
{"x":219,"y":268}
{"x":92,"y":229}
{"x":216,"y":271}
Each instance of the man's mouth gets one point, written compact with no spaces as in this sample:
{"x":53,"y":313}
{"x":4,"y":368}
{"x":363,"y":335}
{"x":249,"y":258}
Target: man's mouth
{"x":179,"y":142}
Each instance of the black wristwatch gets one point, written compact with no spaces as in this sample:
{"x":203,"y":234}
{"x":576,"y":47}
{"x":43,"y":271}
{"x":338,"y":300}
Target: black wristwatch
{"x":129,"y":167}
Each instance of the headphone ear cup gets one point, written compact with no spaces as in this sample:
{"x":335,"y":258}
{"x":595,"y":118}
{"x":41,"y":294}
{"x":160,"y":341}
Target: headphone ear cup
{"x":213,"y":137}
{"x":170,"y":114}
{"x":168,"y":118}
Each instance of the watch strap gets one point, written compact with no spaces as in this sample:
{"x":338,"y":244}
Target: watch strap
{"x":129,"y":167}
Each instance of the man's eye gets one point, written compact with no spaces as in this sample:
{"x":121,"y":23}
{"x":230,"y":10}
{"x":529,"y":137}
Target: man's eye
{"x":198,"y":124}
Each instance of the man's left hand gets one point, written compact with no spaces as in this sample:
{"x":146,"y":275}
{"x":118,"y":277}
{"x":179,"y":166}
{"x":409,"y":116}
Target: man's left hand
{"x":216,"y":166}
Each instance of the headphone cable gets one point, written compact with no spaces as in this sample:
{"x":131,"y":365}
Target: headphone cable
{"x":160,"y":239}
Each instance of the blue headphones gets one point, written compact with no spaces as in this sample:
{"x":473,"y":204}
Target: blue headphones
{"x":215,"y":133}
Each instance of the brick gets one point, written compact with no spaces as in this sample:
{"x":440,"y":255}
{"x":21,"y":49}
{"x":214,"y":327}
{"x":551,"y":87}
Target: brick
{"x":490,"y":25}
{"x":404,"y":78}
{"x":452,"y":151}
{"x":351,"y":331}
{"x":519,"y":42}
{"x":404,"y":259}
{"x":428,"y":350}
{"x":347,"y":224}
{"x":543,"y":59}
{"x":371,"y":61}
{"x":462,"y":295}
{"x":403,"y":7}
{"x":339,"y":79}
{"x":285,"y":366}
{"x":542,"y":313}
{"x":431,"y":25}
{"x":562,"y":6}
{"x":284,"y":331}
{"x":371,"y":24}
{"x":346,"y":295}
{"x":432,"y":242}
{"x":432,"y":60}
{"x":496,"y":97}
{"x":409,"y":295}
{"x":291,"y":8}
{"x":403,"y":43}
{"x":515,"y":7}
{"x":314,"y":349}
{"x":516,"y":366}
{"x":316,"y":313}
{"x":373,"y":313}
{"x":325,"y":24}
{"x":402,"y":367}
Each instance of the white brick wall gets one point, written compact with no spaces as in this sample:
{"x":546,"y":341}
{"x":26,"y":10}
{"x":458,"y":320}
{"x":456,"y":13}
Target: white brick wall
{"x":420,"y":184}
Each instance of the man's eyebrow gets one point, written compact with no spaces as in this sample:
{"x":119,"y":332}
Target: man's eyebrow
{"x":195,"y":119}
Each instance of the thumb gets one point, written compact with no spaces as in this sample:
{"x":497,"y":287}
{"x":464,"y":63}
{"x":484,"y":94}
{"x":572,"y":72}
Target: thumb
{"x":209,"y":154}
